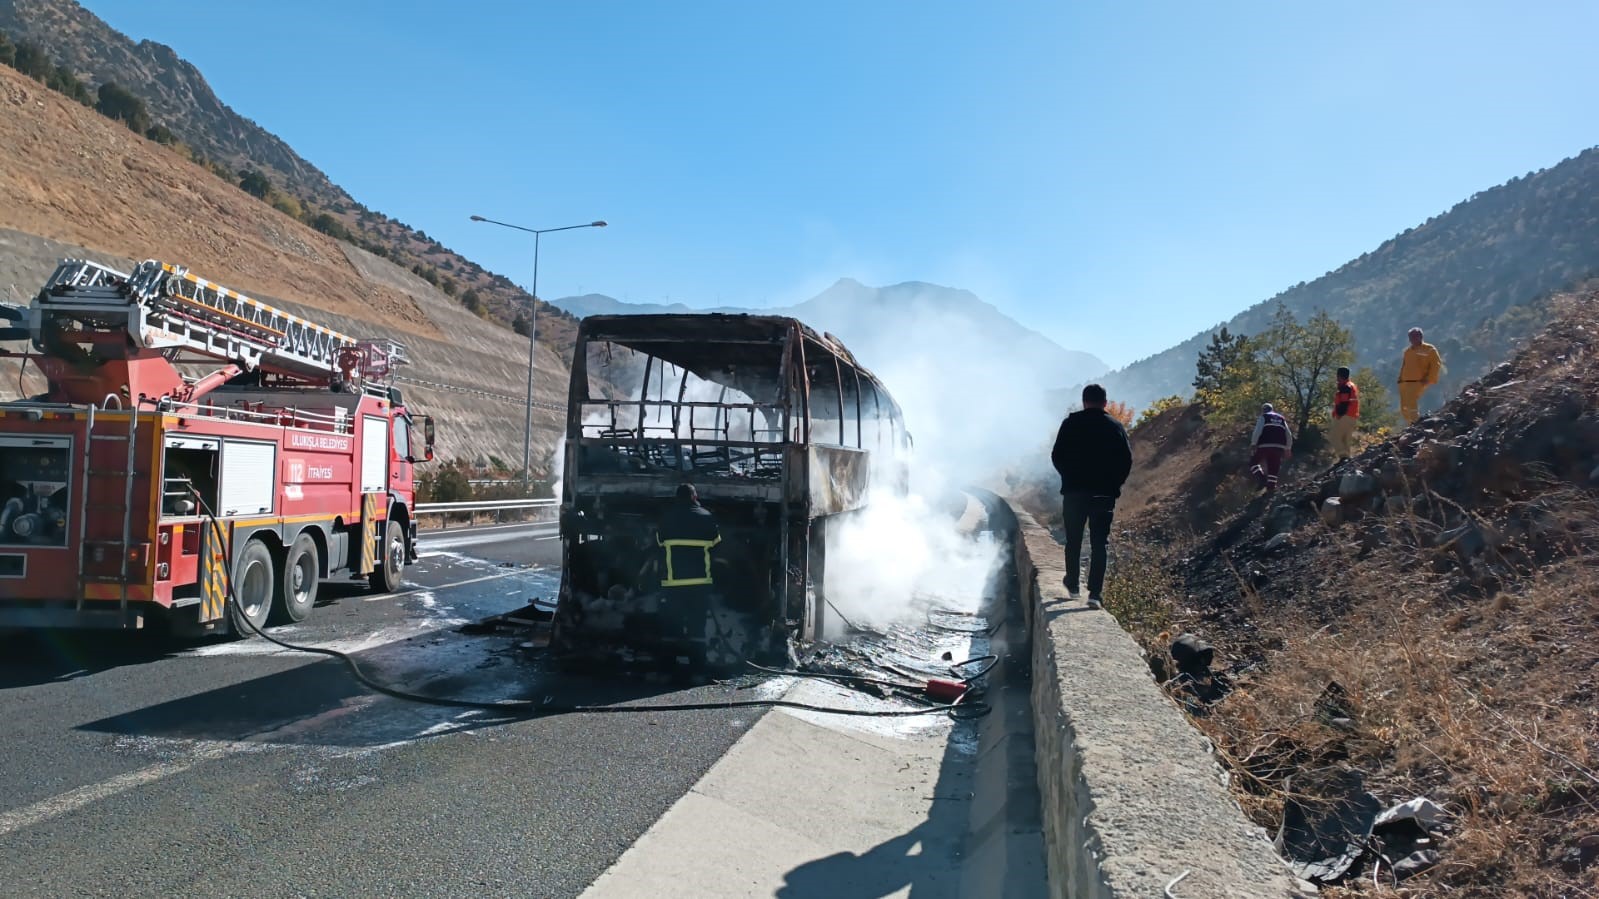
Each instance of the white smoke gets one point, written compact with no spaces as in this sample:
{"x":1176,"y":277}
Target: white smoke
{"x":973,"y":408}
{"x":901,"y":558}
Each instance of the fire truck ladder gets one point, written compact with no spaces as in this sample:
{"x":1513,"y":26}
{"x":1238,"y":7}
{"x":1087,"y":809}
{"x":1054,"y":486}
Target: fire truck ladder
{"x":165,"y":306}
{"x":92,"y":477}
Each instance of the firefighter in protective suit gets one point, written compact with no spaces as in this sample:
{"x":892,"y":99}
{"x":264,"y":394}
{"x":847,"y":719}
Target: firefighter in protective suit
{"x":1418,"y":370}
{"x":686,"y":535}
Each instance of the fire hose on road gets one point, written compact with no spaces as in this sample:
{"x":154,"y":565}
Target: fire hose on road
{"x":960,"y":706}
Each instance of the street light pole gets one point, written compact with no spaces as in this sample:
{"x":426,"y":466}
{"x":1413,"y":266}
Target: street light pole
{"x":532,"y":343}
{"x":532,"y":338}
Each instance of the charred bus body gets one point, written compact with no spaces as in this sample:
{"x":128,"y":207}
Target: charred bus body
{"x":779,"y":430}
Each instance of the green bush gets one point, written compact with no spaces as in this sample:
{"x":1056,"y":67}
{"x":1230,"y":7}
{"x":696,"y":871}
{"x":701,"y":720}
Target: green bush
{"x":1159,"y":406}
{"x":252,"y":182}
{"x":331,"y":226}
{"x":31,"y":60}
{"x":119,"y":103}
{"x":62,"y":81}
{"x":287,"y":205}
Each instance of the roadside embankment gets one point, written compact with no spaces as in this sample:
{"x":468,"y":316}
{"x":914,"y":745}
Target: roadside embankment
{"x":1132,"y":797}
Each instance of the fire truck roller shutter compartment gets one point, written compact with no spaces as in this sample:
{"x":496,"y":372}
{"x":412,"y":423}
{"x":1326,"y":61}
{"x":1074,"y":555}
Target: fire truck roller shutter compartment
{"x":374,"y":454}
{"x":249,"y":477}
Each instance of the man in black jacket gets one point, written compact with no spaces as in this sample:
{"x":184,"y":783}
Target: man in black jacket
{"x":1094,"y":458}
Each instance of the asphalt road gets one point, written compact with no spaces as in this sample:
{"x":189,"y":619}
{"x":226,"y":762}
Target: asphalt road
{"x":133,"y":767}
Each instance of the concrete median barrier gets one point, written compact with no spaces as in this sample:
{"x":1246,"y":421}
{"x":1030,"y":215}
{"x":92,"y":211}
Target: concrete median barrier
{"x":1133,"y":798}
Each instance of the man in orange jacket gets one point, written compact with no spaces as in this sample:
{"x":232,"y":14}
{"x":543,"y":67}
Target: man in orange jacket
{"x":1418,"y":371}
{"x":1345,"y":415}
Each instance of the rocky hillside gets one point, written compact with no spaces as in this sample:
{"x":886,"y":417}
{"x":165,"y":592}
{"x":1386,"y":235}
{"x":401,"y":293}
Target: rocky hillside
{"x":78,"y":184}
{"x":1417,"y":622}
{"x":1474,"y":278}
{"x":208,"y":130}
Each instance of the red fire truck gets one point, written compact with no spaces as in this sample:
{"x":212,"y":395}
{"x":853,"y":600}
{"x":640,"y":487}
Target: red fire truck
{"x":191,"y":440}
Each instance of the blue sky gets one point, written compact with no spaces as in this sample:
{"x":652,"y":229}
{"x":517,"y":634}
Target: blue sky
{"x":1118,"y":176}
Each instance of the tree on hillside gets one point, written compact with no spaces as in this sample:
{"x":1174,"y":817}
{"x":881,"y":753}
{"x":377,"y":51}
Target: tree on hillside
{"x":331,"y":226}
{"x":1377,"y":410}
{"x":252,"y":182}
{"x":1299,"y":363}
{"x":117,"y":102}
{"x":1239,"y":392}
{"x":1224,"y":352}
{"x":8,"y":51}
{"x":62,"y":81}
{"x":1161,"y":405}
{"x":1121,"y":412}
{"x":31,"y":60}
{"x":1294,"y":366}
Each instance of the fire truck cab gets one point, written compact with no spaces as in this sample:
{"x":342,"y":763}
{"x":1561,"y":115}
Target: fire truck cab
{"x":138,"y":491}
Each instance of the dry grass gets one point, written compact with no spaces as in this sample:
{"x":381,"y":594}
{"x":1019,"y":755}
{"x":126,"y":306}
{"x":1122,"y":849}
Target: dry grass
{"x":1139,"y":586}
{"x":1468,"y":674}
{"x":1472,"y":708}
{"x":1485,"y":705}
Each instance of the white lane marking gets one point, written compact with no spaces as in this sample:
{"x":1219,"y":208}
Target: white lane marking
{"x":551,"y":537}
{"x":72,"y":800}
{"x":196,"y":752}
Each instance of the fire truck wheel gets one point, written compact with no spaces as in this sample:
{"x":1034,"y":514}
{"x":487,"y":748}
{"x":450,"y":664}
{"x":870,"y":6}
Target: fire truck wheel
{"x":301,"y":575}
{"x":252,"y":588}
{"x":386,"y":577}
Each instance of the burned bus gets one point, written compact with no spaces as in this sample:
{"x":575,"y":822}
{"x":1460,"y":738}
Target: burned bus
{"x":779,"y":431}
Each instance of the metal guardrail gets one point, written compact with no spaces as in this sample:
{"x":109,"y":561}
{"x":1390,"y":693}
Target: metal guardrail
{"x":497,"y":505}
{"x":470,"y":509}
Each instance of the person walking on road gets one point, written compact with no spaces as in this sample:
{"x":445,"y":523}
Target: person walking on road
{"x":1417,"y":371}
{"x":1345,"y":415}
{"x":1270,"y":444}
{"x":1094,"y":458}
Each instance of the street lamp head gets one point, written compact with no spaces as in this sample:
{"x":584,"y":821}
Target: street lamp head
{"x":596,"y":224}
{"x":479,"y":218}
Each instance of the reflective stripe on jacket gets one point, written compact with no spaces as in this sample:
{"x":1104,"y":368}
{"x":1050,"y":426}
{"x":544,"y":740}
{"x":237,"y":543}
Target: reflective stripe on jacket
{"x":686,"y":534}
{"x":696,"y":571}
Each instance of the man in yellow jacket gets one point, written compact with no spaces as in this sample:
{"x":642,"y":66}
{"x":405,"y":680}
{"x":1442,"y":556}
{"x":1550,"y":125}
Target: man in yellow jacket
{"x":1418,"y":371}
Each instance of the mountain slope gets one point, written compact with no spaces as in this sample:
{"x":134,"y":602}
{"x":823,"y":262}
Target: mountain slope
{"x":179,"y":99}
{"x":599,"y":304}
{"x":876,"y":323}
{"x":1473,"y":278}
{"x":78,"y":184}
